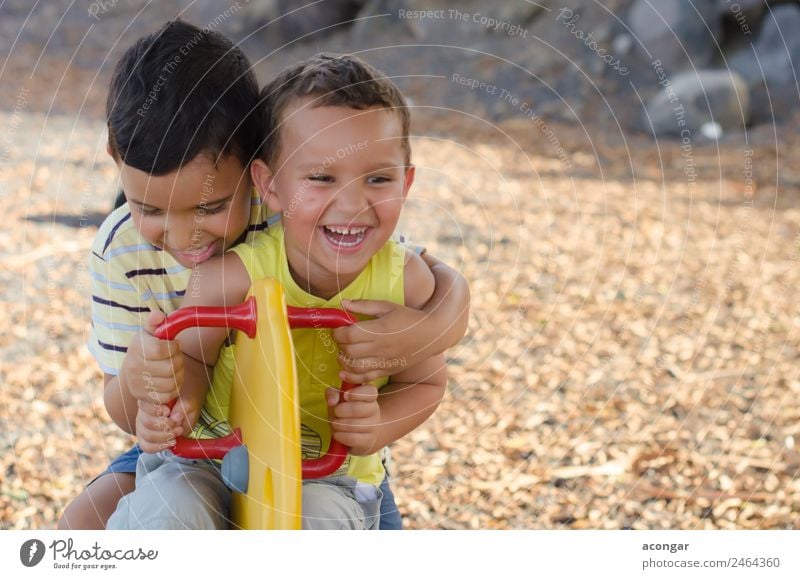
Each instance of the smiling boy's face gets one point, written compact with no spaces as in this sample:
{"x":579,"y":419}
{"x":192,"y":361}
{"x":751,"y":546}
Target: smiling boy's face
{"x":194,"y":213}
{"x":340,"y":180}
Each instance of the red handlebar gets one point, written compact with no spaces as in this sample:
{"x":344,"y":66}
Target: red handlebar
{"x":240,"y":317}
{"x":243,"y":317}
{"x":301,"y":318}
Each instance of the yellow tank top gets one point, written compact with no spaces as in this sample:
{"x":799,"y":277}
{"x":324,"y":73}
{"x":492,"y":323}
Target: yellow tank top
{"x":315,"y":349}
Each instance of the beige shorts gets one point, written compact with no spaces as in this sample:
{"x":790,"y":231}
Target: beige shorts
{"x":178,"y":493}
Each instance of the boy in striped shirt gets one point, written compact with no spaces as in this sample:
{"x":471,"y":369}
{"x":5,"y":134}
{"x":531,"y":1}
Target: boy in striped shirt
{"x":183,"y":130}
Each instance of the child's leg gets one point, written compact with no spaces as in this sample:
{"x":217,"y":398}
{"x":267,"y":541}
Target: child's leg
{"x":174,"y":493}
{"x":331,"y":504}
{"x":91,"y":509}
{"x":390,"y":514}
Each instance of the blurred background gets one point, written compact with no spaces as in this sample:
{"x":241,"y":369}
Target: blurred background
{"x":618,"y":181}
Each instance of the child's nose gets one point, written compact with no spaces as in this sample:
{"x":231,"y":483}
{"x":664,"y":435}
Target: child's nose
{"x":352,"y":200}
{"x":181,"y":236}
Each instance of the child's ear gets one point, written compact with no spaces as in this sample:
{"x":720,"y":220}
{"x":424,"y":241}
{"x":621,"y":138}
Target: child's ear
{"x":408,"y":180}
{"x":262,"y":179}
{"x":111,"y":153}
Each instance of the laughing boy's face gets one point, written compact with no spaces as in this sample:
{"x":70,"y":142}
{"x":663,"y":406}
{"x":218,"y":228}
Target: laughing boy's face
{"x":340,"y":180}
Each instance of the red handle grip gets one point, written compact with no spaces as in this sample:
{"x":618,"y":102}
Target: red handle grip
{"x":243,"y":317}
{"x":211,"y":448}
{"x":240,"y":317}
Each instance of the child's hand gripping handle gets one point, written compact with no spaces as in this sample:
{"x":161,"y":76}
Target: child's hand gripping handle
{"x":300,"y":318}
{"x":240,"y":317}
{"x":243,"y":317}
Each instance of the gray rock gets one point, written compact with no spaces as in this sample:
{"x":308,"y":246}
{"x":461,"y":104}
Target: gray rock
{"x":382,"y":17}
{"x":694,"y":99}
{"x":622,"y":44}
{"x":741,"y":21}
{"x":674,"y":33}
{"x":520,"y":13}
{"x":746,"y":14}
{"x":769,"y":65}
{"x":277,"y":22}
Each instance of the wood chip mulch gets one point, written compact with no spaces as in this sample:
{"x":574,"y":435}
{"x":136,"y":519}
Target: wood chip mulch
{"x":632,"y":358}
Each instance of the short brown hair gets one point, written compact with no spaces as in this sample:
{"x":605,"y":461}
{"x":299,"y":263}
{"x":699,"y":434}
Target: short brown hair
{"x":332,"y":80}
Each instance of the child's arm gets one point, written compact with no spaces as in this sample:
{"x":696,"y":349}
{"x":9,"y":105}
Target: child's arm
{"x":367,"y":420}
{"x":152,"y":374}
{"x":404,"y":335}
{"x":221,"y":281}
{"x":157,"y":425}
{"x":158,"y":370}
{"x":151,"y":370}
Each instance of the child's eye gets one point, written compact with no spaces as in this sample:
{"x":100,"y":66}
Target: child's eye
{"x":215,"y":209}
{"x":318,"y":178}
{"x":149,"y":211}
{"x":379,"y":179}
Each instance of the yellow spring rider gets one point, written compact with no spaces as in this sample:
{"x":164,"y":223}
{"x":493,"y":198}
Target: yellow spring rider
{"x":261,"y":459}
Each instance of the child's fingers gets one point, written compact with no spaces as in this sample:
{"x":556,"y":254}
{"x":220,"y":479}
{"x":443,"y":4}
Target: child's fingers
{"x":154,"y":430}
{"x":158,"y":391}
{"x":332,"y":397}
{"x":164,"y":379}
{"x":183,"y":417}
{"x":369,"y":353}
{"x":353,"y":439}
{"x":346,"y":335}
{"x":156,"y":434}
{"x":351,"y":377}
{"x":371,"y":368}
{"x":365,"y":393}
{"x":358,"y":333}
{"x":153,"y":411}
{"x":181,"y":429}
{"x":152,"y":446}
{"x":177,"y":415}
{"x":362,"y":378}
{"x":154,"y":319}
{"x":375,"y":308}
{"x":154,"y":350}
{"x":355,"y":410}
{"x":358,"y":357}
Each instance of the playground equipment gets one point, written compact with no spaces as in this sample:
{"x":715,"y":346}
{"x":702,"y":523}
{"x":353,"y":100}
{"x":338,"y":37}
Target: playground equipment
{"x":262,"y":456}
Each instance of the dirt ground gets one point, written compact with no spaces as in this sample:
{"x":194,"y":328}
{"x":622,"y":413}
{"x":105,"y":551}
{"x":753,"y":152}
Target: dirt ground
{"x":632,"y":357}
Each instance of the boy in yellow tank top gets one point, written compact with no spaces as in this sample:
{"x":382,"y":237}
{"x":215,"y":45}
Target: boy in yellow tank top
{"x":337,"y":164}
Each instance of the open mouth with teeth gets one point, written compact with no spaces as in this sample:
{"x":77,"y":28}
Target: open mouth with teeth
{"x":345,"y":237}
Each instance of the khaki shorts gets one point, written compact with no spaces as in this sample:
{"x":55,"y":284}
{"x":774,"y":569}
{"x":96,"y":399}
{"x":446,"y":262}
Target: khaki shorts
{"x":178,"y":493}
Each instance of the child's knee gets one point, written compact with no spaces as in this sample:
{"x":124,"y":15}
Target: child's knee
{"x":79,"y":516}
{"x":167,"y":509}
{"x":174,"y":497}
{"x":90,"y":510}
{"x":330,"y":507}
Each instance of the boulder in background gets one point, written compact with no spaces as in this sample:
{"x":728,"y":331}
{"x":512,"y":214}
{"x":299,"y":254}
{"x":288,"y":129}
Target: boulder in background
{"x":675,"y":33}
{"x":693,"y":99}
{"x":769,"y":65}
